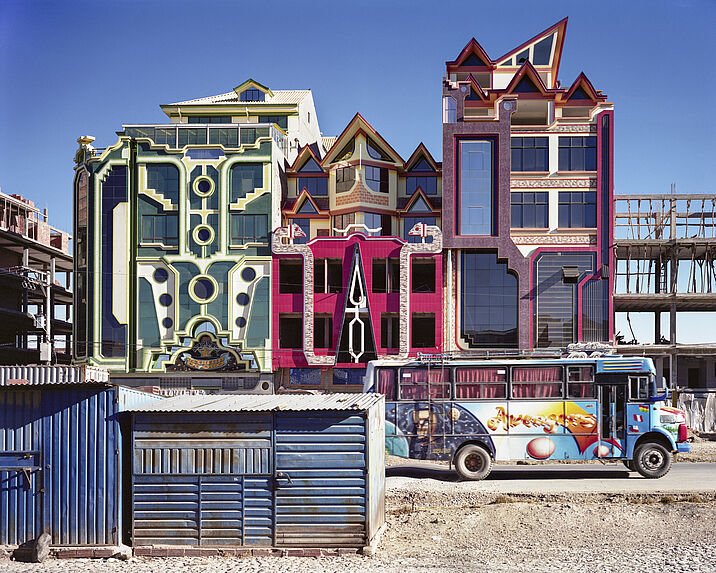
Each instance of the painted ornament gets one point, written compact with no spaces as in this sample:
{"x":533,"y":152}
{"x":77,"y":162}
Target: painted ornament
{"x":540,"y":448}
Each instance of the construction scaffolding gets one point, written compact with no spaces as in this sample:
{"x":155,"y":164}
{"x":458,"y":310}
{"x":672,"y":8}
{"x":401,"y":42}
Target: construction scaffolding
{"x":665,"y":261}
{"x":36,"y":308}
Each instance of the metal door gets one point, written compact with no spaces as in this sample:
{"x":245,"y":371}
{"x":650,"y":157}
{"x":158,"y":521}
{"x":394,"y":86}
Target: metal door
{"x":320,"y":479}
{"x":202,"y":479}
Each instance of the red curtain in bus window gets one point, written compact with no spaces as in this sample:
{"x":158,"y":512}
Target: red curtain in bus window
{"x":480,"y":383}
{"x":544,"y":382}
{"x":421,"y":384}
{"x":386,"y":383}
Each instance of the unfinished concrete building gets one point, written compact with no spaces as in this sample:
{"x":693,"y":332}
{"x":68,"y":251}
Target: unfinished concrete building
{"x":35,"y":275}
{"x":666,"y":263}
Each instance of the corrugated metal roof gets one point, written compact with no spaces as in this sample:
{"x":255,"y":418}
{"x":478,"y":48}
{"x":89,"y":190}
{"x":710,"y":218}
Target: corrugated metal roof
{"x":279,"y":97}
{"x":58,"y":374}
{"x":261,"y":403}
{"x":328,"y":142}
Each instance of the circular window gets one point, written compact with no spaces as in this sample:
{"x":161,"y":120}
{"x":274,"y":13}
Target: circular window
{"x":203,"y":186}
{"x":203,"y":289}
{"x":167,"y":322}
{"x":241,"y":322}
{"x":161,"y":275}
{"x":242,"y":298}
{"x":248,"y":274}
{"x":203,"y":234}
{"x":165,"y":299}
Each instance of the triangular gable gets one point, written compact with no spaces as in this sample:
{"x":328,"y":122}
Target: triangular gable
{"x":582,"y":92}
{"x":526,"y":81}
{"x":546,"y":50}
{"x":304,"y":205}
{"x":251,"y":83}
{"x":418,"y":203}
{"x":307,"y":207}
{"x":421,"y":157}
{"x":305,"y":161}
{"x":359,"y":125}
{"x":311,"y":166}
{"x":471,"y":56}
{"x":476,"y":91}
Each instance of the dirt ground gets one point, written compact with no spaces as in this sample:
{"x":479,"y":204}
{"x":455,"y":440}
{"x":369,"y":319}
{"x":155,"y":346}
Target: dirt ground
{"x":435,"y":526}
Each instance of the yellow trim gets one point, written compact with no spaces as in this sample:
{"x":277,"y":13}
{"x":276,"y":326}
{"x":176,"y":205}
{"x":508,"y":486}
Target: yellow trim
{"x":193,"y":297}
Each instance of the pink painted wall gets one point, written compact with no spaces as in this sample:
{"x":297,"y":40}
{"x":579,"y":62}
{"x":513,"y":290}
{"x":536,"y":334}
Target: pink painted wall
{"x":333,"y":303}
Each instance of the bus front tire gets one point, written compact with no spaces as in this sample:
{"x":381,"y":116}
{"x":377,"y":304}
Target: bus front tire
{"x":652,"y":460}
{"x":473,"y":462}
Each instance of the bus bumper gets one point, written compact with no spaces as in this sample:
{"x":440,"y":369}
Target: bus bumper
{"x":682,"y":448}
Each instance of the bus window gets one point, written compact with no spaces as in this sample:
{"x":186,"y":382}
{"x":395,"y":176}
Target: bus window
{"x":638,"y":387}
{"x":386,"y":383}
{"x":580,"y":382}
{"x":543,"y":382}
{"x":481,"y":383}
{"x":424,"y":384}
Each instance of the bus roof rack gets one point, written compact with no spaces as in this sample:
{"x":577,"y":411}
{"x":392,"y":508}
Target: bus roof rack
{"x":576,"y":350}
{"x":444,"y":357}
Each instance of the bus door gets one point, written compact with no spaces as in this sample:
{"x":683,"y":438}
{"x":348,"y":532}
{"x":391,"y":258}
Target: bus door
{"x":612,"y":413}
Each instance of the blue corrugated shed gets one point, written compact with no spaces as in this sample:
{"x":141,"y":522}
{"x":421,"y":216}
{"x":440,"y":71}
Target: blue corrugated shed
{"x":60,"y":463}
{"x":283,"y":471}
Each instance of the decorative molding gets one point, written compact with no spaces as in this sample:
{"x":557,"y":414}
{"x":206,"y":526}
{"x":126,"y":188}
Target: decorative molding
{"x":587,"y":183}
{"x":278,"y":246}
{"x":405,"y":251}
{"x":587,"y":129}
{"x":554,"y":239}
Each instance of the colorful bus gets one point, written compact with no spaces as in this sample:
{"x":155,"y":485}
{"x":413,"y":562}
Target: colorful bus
{"x":473,"y":412}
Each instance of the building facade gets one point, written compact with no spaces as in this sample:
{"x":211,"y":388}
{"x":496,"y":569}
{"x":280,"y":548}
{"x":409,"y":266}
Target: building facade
{"x":527,"y":211}
{"x":357,"y":261}
{"x":235,"y":242}
{"x":173,"y":261}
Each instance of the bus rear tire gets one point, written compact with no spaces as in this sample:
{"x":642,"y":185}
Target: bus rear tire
{"x":652,"y":460}
{"x":473,"y":462}
{"x":629,"y":465}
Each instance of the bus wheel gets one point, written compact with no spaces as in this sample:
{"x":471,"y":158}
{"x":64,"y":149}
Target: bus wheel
{"x":652,"y":460}
{"x":629,"y":465}
{"x":473,"y":462}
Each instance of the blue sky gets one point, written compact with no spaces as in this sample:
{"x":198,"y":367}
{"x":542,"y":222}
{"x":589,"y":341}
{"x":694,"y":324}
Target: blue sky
{"x":74,"y":67}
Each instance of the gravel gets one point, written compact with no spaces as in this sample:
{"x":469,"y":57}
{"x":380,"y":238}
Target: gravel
{"x":434,"y":525}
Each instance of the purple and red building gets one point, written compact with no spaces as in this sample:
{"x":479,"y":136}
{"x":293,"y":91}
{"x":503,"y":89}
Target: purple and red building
{"x":521,"y":208}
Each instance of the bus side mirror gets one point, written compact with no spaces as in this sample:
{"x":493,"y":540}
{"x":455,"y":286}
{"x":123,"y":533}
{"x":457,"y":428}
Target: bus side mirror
{"x":661,"y":394}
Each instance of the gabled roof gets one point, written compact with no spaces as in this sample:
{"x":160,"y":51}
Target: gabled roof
{"x":419,"y":203}
{"x":421,"y":152}
{"x":359,"y":125}
{"x":251,"y":83}
{"x":558,"y":30}
{"x":277,"y":97}
{"x":472,"y":56}
{"x":521,"y":81}
{"x":305,"y":204}
{"x":582,"y":92}
{"x":303,"y":157}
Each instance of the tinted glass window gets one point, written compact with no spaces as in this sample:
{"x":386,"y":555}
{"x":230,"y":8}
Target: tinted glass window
{"x":429,"y":185}
{"x":580,"y":382}
{"x":245,"y":178}
{"x":249,"y":229}
{"x":315,"y":186}
{"x":577,"y":209}
{"x":488,"y":302}
{"x":529,"y":210}
{"x":530,"y":154}
{"x":578,"y":153}
{"x":475,"y":187}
